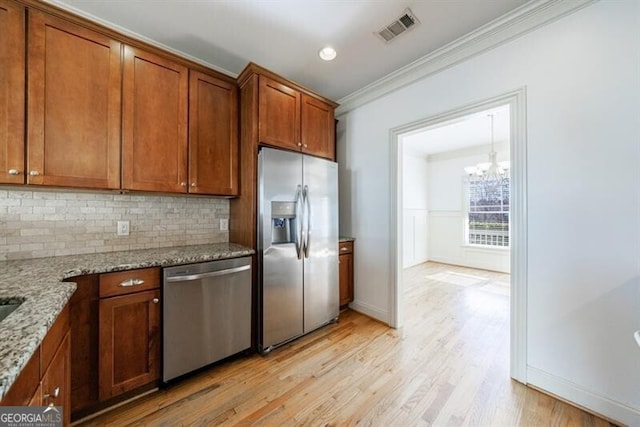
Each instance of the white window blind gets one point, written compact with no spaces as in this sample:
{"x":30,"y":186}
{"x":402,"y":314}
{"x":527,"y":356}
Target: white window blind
{"x":488,"y":216}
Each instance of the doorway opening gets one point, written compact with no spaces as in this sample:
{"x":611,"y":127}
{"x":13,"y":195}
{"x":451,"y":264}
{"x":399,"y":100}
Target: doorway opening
{"x":458,"y":217}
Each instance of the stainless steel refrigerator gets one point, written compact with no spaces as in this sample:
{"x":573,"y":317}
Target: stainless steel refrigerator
{"x":297,"y":245}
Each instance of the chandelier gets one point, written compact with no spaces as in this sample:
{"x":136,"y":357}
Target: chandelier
{"x":490,"y":176}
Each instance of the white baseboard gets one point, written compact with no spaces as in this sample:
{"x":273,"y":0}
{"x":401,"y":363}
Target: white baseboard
{"x":370,"y":311}
{"x":591,"y":401}
{"x":480,"y":266}
{"x":415,"y":262}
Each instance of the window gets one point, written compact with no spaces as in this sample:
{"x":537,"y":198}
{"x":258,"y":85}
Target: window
{"x":488,"y":214}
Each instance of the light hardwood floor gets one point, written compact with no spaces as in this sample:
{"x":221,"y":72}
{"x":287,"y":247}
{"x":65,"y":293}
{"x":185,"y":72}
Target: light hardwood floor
{"x":447,"y":367}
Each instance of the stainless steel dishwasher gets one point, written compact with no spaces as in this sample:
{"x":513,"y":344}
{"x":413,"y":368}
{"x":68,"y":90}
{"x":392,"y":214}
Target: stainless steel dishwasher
{"x":206,"y":314}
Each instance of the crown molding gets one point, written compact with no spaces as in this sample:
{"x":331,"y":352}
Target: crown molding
{"x":516,"y":23}
{"x":128,"y":33}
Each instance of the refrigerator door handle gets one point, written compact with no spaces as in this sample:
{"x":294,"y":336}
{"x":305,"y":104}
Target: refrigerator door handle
{"x":307,"y":220}
{"x":299,"y":215}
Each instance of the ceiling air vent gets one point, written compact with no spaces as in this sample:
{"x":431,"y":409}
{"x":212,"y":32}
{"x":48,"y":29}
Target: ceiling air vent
{"x":403,"y":23}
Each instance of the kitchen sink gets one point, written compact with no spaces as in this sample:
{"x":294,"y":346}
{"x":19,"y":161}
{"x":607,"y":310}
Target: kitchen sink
{"x":7,"y":308}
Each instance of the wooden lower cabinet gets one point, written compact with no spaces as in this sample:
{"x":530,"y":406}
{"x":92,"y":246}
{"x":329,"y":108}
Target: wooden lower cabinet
{"x":346,"y":273}
{"x":46,"y":378}
{"x":55,"y":387}
{"x":129,"y":342}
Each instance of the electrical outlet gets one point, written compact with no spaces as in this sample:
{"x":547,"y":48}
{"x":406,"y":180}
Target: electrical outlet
{"x":224,"y":224}
{"x":123,"y":228}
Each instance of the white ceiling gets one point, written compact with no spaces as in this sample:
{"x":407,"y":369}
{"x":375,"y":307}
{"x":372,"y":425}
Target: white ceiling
{"x":468,"y":131}
{"x":285,"y":35}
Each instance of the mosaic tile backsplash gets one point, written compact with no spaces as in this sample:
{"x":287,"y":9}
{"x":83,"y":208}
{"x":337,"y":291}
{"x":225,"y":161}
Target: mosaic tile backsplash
{"x":35,"y":224}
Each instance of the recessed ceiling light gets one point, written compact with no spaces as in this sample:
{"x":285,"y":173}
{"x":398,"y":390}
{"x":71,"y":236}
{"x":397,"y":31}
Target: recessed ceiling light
{"x":327,"y":53}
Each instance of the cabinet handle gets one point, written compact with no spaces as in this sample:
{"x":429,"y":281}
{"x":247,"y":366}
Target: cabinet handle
{"x":155,"y":300}
{"x":193,"y":184}
{"x":34,"y":173}
{"x":183,"y":184}
{"x":305,"y":145}
{"x":55,"y":394}
{"x":299,"y":144}
{"x":130,"y":282}
{"x":344,"y":249}
{"x":14,"y":172}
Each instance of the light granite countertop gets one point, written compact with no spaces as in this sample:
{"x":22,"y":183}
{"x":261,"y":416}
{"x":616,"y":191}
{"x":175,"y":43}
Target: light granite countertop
{"x":38,"y":283}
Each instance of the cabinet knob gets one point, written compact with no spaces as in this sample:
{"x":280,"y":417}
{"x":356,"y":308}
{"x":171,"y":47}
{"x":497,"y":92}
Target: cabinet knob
{"x":14,"y":172}
{"x":304,"y":145}
{"x":193,"y":184}
{"x":299,"y":144}
{"x":34,"y":173}
{"x":155,"y":300}
{"x":183,"y":184}
{"x":55,"y":394}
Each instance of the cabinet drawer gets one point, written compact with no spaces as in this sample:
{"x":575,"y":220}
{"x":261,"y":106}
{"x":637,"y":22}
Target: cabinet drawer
{"x":126,"y":282}
{"x":346,"y":248}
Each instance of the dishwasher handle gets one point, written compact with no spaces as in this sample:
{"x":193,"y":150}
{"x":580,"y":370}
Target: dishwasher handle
{"x":198,"y":276}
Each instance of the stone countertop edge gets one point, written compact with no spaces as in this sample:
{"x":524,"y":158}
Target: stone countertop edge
{"x":39,"y":284}
{"x":346,"y":239}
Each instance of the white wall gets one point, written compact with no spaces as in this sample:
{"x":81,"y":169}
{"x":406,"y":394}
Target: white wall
{"x":415,"y":213}
{"x":582,"y":77}
{"x":447,"y":210}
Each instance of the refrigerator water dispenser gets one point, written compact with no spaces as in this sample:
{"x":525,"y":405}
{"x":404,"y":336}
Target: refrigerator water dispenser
{"x":283,"y":222}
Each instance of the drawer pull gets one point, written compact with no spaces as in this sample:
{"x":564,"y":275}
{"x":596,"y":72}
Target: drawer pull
{"x":55,"y":394}
{"x":131,"y":282}
{"x":14,"y":172}
{"x":344,"y":249}
{"x":155,"y":300}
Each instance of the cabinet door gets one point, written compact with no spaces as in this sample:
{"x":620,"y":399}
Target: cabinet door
{"x":129,"y":342}
{"x":73,"y":103}
{"x":318,"y":128}
{"x":213,"y":135}
{"x":279,"y":115}
{"x":346,"y":279}
{"x":154,"y":123}
{"x":36,"y":399}
{"x":56,"y":381}
{"x":12,"y":66}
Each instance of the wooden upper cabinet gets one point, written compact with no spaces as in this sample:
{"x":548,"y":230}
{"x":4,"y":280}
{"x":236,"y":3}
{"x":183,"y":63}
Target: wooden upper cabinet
{"x":12,"y":87}
{"x":154,"y":143}
{"x":74,"y":78}
{"x":213,"y":135}
{"x":289,"y":118}
{"x":318,"y":128}
{"x":279,"y":114}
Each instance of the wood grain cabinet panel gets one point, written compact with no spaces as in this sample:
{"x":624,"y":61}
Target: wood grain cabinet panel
{"x":155,"y":92}
{"x":346,"y":272}
{"x":290,"y":119}
{"x":279,"y":114}
{"x":129,"y":342}
{"x":12,"y":89}
{"x":74,"y":78}
{"x":318,"y":128}
{"x":56,"y":381}
{"x":213,"y":135}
